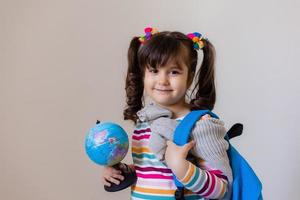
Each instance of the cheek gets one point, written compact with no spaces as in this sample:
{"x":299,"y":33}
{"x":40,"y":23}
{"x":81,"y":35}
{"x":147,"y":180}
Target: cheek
{"x":147,"y":83}
{"x":181,"y":83}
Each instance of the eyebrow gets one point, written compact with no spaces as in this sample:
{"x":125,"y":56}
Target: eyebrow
{"x":176,"y":67}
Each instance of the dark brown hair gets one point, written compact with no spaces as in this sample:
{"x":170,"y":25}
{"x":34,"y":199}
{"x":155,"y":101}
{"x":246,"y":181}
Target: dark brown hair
{"x":156,"y":52}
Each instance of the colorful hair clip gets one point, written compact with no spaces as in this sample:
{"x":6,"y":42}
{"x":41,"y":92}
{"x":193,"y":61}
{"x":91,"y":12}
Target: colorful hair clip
{"x":149,"y":32}
{"x":197,"y":39}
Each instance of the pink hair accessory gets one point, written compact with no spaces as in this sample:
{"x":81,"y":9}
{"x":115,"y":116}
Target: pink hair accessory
{"x":149,"y":32}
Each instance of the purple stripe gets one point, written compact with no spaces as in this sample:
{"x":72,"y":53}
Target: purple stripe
{"x":222,"y":176}
{"x":212,"y":186}
{"x":142,"y":131}
{"x":147,"y":169}
{"x":205,"y":185}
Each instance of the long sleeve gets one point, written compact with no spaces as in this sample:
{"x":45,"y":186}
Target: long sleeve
{"x":211,"y":147}
{"x":207,"y":184}
{"x":211,"y":178}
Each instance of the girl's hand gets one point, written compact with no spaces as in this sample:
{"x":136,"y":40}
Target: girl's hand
{"x":176,"y":156}
{"x":110,"y":174}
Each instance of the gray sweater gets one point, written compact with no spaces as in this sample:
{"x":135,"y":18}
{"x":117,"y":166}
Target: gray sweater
{"x":208,"y":134}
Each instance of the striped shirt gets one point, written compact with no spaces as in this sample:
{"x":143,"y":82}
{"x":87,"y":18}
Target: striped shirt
{"x":155,"y":179}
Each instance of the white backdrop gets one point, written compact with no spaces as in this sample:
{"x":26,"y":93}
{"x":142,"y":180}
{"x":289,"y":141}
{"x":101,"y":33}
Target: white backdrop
{"x":63,"y":64}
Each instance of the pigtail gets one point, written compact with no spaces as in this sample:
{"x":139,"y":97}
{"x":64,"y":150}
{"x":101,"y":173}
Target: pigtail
{"x":205,"y":96}
{"x":134,"y":83}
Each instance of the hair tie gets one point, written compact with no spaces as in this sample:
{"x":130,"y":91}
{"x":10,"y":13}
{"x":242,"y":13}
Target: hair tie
{"x":197,"y":40}
{"x":149,"y":32}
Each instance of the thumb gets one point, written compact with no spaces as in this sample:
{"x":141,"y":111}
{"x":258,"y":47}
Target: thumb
{"x":189,"y":145}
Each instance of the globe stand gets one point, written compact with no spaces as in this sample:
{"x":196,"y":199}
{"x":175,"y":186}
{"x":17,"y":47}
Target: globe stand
{"x":129,"y":179}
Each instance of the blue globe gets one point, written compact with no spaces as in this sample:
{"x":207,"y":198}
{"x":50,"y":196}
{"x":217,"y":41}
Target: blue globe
{"x":106,"y":143}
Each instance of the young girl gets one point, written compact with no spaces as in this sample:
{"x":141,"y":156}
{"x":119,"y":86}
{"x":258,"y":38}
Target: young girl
{"x":163,"y":65}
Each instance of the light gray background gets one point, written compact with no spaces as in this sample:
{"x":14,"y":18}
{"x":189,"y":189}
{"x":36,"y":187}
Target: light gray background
{"x":63,"y":64}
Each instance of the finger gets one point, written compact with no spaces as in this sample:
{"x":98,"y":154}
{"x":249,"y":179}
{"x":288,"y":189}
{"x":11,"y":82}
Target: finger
{"x":108,"y":174}
{"x":117,"y":176}
{"x":113,"y":180}
{"x":106,"y":183}
{"x":115,"y":171}
{"x":205,"y":117}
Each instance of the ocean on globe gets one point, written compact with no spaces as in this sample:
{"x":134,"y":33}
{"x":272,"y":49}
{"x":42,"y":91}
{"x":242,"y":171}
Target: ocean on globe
{"x":106,"y":143}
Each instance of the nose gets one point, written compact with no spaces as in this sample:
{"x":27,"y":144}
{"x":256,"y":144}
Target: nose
{"x":163,"y":79}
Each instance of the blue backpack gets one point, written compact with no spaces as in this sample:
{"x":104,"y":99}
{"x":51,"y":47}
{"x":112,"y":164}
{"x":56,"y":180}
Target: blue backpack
{"x":246,"y":185}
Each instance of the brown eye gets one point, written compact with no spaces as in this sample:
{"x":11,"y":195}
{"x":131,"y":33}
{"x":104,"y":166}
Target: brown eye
{"x":153,"y":70}
{"x":174,"y":72}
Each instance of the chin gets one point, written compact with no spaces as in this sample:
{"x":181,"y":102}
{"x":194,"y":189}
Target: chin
{"x":164,"y":103}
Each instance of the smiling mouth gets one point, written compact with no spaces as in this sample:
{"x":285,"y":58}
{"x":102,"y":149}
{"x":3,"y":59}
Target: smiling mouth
{"x":162,"y":90}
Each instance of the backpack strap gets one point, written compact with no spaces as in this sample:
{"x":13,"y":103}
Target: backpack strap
{"x":182,"y":135}
{"x":246,"y":185}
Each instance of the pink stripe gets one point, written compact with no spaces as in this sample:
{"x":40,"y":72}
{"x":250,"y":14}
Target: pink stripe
{"x":212,"y":186}
{"x":140,"y":137}
{"x":165,"y":184}
{"x":216,"y":171}
{"x":154,"y":176}
{"x":142,"y":131}
{"x":219,"y":174}
{"x":139,"y":143}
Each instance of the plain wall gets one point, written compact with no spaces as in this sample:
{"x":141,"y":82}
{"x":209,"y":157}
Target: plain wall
{"x":63,"y":66}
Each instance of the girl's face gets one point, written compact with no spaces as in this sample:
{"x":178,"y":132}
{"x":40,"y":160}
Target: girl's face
{"x":167,"y":85}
